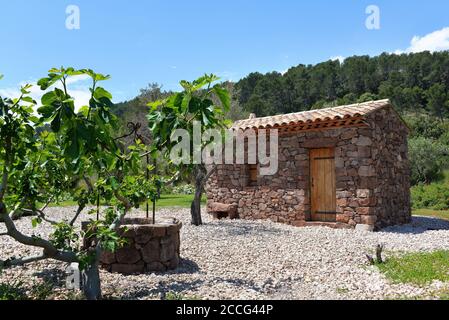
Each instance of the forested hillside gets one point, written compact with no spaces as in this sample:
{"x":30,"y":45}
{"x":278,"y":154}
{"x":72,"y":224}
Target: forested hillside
{"x":415,"y":82}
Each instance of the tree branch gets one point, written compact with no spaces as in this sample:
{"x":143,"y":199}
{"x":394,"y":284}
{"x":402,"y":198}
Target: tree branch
{"x":83,"y":206}
{"x":133,"y":130}
{"x":21,"y":261}
{"x":77,"y":214}
{"x":89,"y":184}
{"x":4,"y":182}
{"x":41,"y":215}
{"x":161,"y":147}
{"x":47,"y":204}
{"x":19,"y":207}
{"x":5,"y":174}
{"x":91,"y":96}
{"x":38,"y":212}
{"x":208,"y":175}
{"x":124,"y":201}
{"x":211,"y":172}
{"x":49,"y":249}
{"x":174,"y":178}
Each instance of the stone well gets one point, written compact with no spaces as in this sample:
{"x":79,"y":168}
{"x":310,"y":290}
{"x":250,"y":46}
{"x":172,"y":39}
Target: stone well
{"x":150,"y":247}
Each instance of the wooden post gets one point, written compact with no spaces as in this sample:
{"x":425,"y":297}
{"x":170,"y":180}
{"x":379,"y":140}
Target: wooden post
{"x":98,"y":205}
{"x":148,"y":178}
{"x":154,"y":211}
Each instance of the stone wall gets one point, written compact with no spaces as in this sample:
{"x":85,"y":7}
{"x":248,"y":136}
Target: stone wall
{"x":392,"y":187}
{"x":150,"y":247}
{"x":372,"y":176}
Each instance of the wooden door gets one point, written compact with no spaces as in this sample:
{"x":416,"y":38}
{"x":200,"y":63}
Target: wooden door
{"x":322,"y":182}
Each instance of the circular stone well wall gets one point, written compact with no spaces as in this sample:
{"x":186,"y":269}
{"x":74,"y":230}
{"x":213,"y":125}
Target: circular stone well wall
{"x":150,"y":247}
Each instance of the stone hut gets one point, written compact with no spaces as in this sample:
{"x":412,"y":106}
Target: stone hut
{"x":340,"y":167}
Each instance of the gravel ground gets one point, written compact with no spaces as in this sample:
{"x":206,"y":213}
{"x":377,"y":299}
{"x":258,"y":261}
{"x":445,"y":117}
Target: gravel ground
{"x":254,"y":260}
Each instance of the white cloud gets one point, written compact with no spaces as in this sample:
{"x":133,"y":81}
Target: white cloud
{"x":228,"y":76}
{"x":339,"y":58}
{"x":398,"y":52}
{"x":78,"y":88}
{"x":80,"y":78}
{"x":434,"y":41}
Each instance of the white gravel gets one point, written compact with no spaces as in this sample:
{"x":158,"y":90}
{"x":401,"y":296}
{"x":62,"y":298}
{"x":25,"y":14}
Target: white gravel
{"x":255,"y":260}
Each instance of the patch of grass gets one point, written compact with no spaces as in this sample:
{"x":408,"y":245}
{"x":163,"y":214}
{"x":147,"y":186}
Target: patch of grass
{"x":175,"y":200}
{"x":13,"y":291}
{"x":342,"y":290}
{"x":417,"y":268}
{"x":436,"y":295}
{"x":71,"y":296}
{"x":18,"y":291}
{"x":441,"y":214}
{"x":42,"y":291}
{"x":443,"y":294}
{"x":67,"y":203}
{"x":178,"y":296}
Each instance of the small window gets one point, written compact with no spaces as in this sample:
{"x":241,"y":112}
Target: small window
{"x":253,"y":174}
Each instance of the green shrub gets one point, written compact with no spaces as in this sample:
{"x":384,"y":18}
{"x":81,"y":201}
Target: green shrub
{"x":426,"y":127}
{"x":167,"y":189}
{"x":184,"y":189}
{"x":367,"y":96}
{"x":444,"y":138}
{"x":428,"y":159}
{"x":433,"y":196}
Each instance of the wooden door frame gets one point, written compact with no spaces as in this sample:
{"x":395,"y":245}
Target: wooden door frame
{"x":310,"y":218}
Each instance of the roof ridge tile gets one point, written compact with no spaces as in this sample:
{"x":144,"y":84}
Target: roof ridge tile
{"x":317,"y":115}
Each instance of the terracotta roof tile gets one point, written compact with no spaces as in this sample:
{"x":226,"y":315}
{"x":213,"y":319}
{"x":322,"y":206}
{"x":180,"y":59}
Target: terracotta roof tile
{"x":313,"y":116}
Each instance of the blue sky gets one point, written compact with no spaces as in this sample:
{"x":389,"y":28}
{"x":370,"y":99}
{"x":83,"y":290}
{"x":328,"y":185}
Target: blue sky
{"x":139,"y":42}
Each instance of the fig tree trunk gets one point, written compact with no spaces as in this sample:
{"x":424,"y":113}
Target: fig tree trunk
{"x":91,"y":281}
{"x":195,"y":210}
